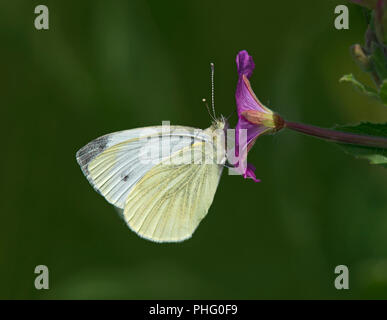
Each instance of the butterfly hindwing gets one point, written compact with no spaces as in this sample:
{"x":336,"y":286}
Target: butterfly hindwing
{"x":169,"y":202}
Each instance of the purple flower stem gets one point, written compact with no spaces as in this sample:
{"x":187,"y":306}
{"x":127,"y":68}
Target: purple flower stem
{"x":338,"y":136}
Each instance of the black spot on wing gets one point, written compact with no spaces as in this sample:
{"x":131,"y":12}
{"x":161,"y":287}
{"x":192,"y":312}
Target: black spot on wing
{"x":90,"y":151}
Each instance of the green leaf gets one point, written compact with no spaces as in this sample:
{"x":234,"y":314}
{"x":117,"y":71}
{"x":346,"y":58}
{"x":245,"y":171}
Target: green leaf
{"x":360,"y":86}
{"x":373,"y":155}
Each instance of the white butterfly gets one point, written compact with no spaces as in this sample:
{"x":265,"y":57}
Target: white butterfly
{"x":163,"y":197}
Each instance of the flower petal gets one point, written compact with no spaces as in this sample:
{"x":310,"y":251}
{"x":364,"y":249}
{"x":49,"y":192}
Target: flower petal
{"x":253,"y":131}
{"x":246,"y":99}
{"x":249,"y":173}
{"x":245,"y":64}
{"x":245,"y":96}
{"x":243,"y":147}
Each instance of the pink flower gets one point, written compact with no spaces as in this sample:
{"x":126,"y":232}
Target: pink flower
{"x":253,"y":116}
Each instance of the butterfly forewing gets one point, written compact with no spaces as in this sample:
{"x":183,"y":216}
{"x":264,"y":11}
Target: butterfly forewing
{"x":115,"y":162}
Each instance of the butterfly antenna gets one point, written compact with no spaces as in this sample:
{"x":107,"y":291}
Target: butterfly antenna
{"x":208,"y":108}
{"x":213,"y":89}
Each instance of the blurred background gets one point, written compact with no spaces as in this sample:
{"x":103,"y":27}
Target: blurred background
{"x":105,"y":66}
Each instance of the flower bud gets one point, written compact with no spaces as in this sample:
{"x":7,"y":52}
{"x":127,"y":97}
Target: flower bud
{"x":361,"y":58}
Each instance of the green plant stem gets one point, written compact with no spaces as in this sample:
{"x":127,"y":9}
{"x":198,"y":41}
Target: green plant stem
{"x":337,"y":136}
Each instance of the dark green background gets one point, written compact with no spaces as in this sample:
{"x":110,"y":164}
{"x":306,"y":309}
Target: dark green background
{"x":105,"y":66}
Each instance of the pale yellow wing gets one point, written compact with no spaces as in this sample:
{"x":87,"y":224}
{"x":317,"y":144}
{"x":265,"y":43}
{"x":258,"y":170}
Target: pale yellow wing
{"x":114,"y":163}
{"x":168,"y":203}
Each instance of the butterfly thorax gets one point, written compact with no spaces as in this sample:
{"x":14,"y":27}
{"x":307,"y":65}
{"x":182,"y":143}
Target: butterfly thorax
{"x":218,"y":135}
